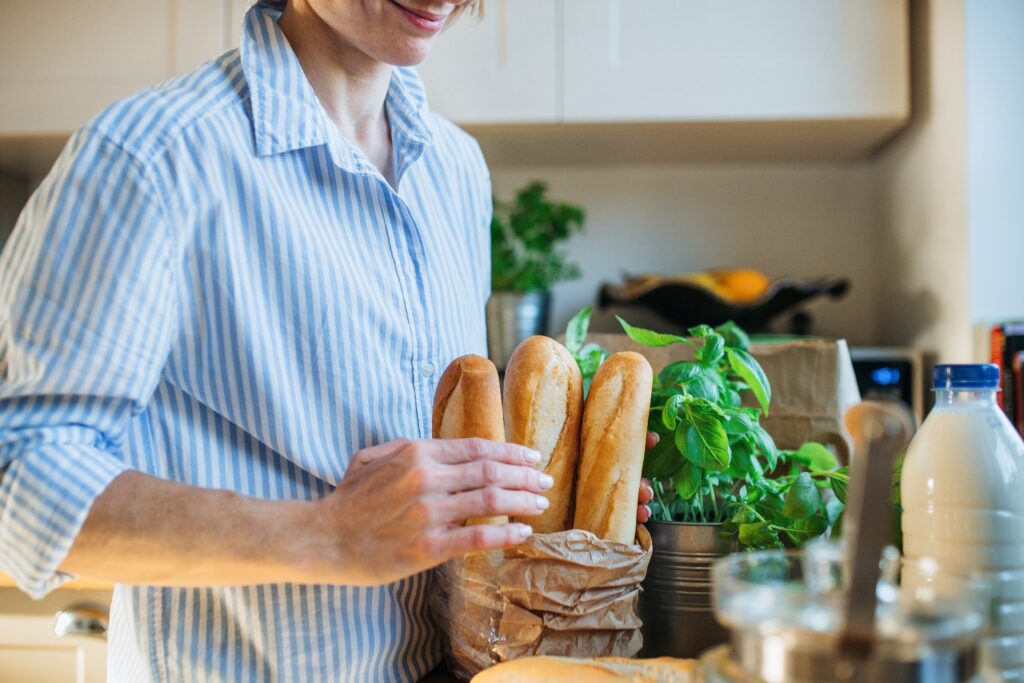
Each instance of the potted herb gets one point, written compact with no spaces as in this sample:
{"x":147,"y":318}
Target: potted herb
{"x":525,"y":264}
{"x":720,"y":482}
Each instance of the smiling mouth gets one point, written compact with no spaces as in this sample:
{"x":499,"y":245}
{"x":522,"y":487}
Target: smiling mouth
{"x":428,"y":16}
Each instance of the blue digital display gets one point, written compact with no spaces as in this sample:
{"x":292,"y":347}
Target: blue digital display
{"x":885,"y":377}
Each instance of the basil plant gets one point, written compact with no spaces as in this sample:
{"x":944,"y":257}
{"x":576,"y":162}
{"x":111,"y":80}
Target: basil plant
{"x":714,"y":461}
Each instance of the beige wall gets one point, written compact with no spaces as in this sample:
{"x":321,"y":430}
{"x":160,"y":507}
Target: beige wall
{"x":924,"y":282}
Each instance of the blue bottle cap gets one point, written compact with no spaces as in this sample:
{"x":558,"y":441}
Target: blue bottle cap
{"x":974,"y":376}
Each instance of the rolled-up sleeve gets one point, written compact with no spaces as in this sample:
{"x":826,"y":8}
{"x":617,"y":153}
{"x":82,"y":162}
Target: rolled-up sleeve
{"x":87,"y":312}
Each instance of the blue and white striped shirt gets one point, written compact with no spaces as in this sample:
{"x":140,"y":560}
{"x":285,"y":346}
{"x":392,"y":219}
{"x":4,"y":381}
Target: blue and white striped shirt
{"x":213,"y":286}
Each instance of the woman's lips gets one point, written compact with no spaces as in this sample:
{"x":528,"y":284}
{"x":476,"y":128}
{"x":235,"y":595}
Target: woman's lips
{"x":425,"y":21}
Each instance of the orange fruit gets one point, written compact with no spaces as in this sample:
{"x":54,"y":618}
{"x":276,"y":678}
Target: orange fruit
{"x":743,"y":285}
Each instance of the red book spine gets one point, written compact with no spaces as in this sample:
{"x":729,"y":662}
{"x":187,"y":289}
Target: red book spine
{"x":998,"y":341}
{"x":1018,"y":385}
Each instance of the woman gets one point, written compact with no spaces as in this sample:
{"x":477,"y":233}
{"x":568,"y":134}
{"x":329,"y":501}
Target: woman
{"x":222,"y":319}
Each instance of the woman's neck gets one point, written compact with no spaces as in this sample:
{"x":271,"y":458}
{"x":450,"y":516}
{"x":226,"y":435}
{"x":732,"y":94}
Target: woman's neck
{"x":351,"y":85}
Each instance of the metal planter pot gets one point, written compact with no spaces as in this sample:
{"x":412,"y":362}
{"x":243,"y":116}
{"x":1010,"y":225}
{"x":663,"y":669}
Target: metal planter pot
{"x":511,"y":318}
{"x":676,"y":605}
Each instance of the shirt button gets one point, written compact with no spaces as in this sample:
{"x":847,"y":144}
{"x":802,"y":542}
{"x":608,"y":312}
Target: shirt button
{"x":427,"y":369}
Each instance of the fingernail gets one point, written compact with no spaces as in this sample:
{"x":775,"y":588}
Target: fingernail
{"x":532,"y":456}
{"x":524,"y":531}
{"x":546,"y":481}
{"x":542,"y":502}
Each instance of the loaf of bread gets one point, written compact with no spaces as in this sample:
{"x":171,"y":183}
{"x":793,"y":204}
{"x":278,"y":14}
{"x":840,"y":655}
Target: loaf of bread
{"x":467,"y":404}
{"x":543,"y":404}
{"x":599,"y":670}
{"x":614,"y":433}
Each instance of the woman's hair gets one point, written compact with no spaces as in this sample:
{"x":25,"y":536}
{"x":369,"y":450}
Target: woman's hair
{"x":475,"y":7}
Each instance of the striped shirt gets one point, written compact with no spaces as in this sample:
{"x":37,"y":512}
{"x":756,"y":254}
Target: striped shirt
{"x":214,"y":286}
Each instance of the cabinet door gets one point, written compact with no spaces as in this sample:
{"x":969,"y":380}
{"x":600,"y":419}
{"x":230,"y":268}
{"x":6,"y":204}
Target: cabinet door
{"x":30,"y":652}
{"x":497,"y":69}
{"x":693,"y":60}
{"x":63,"y":61}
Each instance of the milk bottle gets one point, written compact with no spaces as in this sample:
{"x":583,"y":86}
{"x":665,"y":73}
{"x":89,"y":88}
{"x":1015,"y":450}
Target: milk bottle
{"x":963,"y":500}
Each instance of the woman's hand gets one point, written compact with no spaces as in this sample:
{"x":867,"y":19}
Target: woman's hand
{"x":400,"y":507}
{"x":643,"y":511}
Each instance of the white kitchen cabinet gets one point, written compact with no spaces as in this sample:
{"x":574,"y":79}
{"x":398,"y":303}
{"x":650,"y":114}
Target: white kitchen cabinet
{"x":636,"y":61}
{"x":63,"y":61}
{"x":500,"y":68}
{"x":30,"y":651}
{"x":734,"y":60}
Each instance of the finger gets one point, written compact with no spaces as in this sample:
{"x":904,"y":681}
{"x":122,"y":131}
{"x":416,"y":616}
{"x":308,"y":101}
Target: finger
{"x":487,"y":502}
{"x":652,"y":440}
{"x":482,"y":473}
{"x":454,"y":451}
{"x":646,"y":491}
{"x":643,"y":513}
{"x":461,"y":540}
{"x":368,"y":455}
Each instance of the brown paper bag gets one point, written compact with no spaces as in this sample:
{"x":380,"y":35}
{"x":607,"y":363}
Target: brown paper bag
{"x":567,"y":593}
{"x":812,"y":381}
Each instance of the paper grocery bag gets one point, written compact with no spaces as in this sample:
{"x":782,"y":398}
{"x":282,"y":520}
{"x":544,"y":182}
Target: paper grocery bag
{"x":568,"y":593}
{"x":812,"y":382}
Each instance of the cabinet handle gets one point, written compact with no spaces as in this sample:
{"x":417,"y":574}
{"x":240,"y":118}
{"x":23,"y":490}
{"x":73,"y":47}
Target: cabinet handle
{"x":82,"y":620}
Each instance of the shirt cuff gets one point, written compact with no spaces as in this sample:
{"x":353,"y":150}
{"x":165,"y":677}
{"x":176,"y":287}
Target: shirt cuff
{"x":46,"y":493}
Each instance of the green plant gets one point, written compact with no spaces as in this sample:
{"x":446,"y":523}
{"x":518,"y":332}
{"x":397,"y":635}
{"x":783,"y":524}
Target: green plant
{"x":524,"y":234}
{"x":714,"y":461}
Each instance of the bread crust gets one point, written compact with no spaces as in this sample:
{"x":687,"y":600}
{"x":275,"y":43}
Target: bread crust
{"x":613,"y":436}
{"x":467,"y":404}
{"x":543,"y":404}
{"x":598,"y":670}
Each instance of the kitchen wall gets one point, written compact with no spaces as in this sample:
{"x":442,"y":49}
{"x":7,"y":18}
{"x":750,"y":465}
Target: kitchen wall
{"x":785,"y":219}
{"x":995,"y":157}
{"x":923,"y":279}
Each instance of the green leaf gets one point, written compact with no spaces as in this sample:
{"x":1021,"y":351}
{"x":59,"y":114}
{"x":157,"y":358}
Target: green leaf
{"x":739,"y":423}
{"x":576,"y":330}
{"x":679,"y":372}
{"x":702,"y":440}
{"x":817,"y":457}
{"x":670,"y":413}
{"x":764,"y":442}
{"x":687,"y":480}
{"x":840,"y":479}
{"x":649,"y":337}
{"x":744,"y":365}
{"x":703,"y":387}
{"x":757,"y":535}
{"x":803,"y":499}
{"x":802,"y":530}
{"x":734,"y":335}
{"x":732,"y":398}
{"x":742,"y":463}
{"x":663,"y":459}
{"x":711,"y":352}
{"x":701,"y":331}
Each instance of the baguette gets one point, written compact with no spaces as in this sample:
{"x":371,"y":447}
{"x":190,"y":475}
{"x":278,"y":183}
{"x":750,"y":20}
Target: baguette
{"x":614,"y":433}
{"x":543,"y":403}
{"x":544,"y":669}
{"x":467,"y":404}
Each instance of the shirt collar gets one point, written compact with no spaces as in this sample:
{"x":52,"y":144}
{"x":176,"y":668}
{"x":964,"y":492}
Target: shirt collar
{"x":286,"y":113}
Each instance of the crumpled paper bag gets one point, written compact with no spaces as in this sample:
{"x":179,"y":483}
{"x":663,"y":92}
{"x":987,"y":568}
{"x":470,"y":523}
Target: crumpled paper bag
{"x":568,"y":593}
